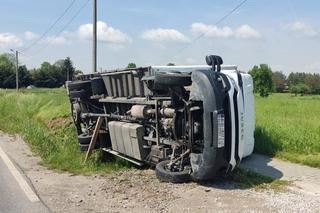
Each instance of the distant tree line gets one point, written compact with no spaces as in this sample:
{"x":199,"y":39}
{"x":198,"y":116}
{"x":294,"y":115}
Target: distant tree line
{"x":266,"y":81}
{"x":47,"y":75}
{"x":54,"y":75}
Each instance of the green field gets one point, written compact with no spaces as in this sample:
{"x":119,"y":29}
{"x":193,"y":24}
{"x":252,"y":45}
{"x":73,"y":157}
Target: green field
{"x":287,"y":127}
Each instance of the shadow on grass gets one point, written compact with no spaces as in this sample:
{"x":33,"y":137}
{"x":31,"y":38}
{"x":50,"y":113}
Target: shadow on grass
{"x":266,"y":143}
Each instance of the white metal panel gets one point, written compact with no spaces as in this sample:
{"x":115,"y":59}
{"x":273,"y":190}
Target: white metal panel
{"x":190,"y":68}
{"x":246,"y":113}
{"x":249,"y":119}
{"x":232,"y":115}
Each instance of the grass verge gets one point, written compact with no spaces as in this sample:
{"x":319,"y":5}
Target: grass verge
{"x":42,"y":118}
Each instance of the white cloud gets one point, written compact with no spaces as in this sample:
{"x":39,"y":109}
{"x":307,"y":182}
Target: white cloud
{"x":105,"y":33}
{"x":10,"y":39}
{"x":300,"y":29}
{"x":164,"y":35}
{"x":244,"y":31}
{"x":211,"y":31}
{"x":30,"y":35}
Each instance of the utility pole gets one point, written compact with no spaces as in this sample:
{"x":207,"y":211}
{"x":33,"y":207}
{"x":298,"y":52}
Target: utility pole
{"x":94,"y":45}
{"x":17,"y":68}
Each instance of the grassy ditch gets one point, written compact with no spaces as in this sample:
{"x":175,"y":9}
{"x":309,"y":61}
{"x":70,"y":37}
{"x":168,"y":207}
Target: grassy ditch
{"x":42,"y":118}
{"x":288,"y":127}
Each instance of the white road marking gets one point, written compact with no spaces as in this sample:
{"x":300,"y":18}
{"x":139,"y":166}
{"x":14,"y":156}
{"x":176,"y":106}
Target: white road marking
{"x":16,"y":174}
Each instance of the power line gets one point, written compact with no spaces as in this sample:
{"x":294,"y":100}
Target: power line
{"x":63,"y":28}
{"x":203,"y":34}
{"x":50,"y":28}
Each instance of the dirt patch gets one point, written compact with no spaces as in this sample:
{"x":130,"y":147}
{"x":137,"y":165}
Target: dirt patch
{"x":139,"y":191}
{"x":53,"y":124}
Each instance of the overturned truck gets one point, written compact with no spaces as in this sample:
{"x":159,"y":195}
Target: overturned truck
{"x":190,"y":122}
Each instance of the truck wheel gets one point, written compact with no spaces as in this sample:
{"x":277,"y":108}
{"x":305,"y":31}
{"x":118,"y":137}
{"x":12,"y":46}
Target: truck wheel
{"x":172,"y":78}
{"x":84,"y":139}
{"x":165,"y":175}
{"x":84,"y":147}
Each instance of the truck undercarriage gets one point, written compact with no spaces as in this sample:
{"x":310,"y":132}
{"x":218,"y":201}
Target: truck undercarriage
{"x":188,"y":121}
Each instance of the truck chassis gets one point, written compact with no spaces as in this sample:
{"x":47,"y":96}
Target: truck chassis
{"x":190,"y":122}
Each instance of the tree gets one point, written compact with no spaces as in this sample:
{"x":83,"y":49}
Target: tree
{"x":313,"y":81}
{"x":53,"y":75}
{"x":262,"y":79}
{"x":46,"y":76}
{"x":300,"y":88}
{"x":296,"y":78}
{"x":279,"y":81}
{"x":77,"y":72}
{"x":132,"y":65}
{"x":7,"y":71}
{"x":68,"y":68}
{"x":24,"y":76}
{"x":171,"y":64}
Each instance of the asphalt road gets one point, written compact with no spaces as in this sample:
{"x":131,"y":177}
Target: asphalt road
{"x":13,"y":199}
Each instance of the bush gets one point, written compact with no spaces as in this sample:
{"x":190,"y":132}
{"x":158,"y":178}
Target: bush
{"x":262,"y":79}
{"x":301,"y":89}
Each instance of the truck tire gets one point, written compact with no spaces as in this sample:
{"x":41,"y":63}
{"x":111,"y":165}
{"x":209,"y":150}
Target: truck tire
{"x":84,"y":147}
{"x":172,"y":79}
{"x":165,"y":175}
{"x":84,"y":139}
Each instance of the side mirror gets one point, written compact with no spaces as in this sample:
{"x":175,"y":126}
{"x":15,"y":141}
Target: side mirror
{"x":214,"y":61}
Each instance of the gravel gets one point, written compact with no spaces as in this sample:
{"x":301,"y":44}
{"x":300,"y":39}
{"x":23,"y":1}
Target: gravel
{"x":139,"y":191}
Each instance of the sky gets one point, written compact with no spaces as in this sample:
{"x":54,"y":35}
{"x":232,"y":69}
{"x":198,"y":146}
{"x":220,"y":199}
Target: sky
{"x":284,"y":34}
